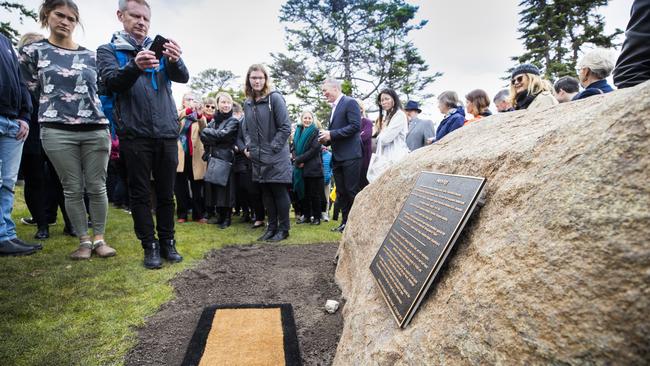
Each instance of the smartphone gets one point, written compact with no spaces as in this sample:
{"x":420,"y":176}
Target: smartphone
{"x":158,"y":46}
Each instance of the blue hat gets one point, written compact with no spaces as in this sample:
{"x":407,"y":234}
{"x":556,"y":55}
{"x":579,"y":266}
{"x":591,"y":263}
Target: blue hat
{"x":525,"y":69}
{"x":412,"y":105}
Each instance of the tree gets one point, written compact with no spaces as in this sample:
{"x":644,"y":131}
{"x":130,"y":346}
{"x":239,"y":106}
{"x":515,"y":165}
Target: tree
{"x":213,"y":80}
{"x":23,"y":12}
{"x":554,"y":33}
{"x":362,"y":42}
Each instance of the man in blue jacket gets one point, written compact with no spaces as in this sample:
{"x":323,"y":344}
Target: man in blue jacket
{"x":15,"y":110}
{"x":344,"y":136}
{"x":145,"y":120}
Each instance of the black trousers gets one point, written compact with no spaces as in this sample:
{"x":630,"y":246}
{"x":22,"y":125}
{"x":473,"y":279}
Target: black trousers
{"x":346,"y":177}
{"x":116,"y":187}
{"x":32,"y":167}
{"x":242,"y":201}
{"x":277,"y":203}
{"x":311,"y":204}
{"x":251,"y":193}
{"x":189,"y":192}
{"x":146,"y":158}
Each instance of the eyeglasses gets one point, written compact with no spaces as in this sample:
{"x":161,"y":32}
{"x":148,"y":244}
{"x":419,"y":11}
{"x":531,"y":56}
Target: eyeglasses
{"x":211,"y":106}
{"x":63,"y":16}
{"x":518,"y":80}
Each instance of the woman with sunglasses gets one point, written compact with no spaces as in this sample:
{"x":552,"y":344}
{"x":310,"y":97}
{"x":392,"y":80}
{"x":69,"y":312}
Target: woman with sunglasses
{"x":528,"y":90}
{"x":191,"y":167}
{"x":62,"y":76}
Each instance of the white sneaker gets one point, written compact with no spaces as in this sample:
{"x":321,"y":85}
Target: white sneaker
{"x":324,"y":217}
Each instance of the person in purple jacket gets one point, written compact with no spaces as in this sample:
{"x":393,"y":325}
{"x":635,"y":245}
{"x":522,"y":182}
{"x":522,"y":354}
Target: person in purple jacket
{"x":366,"y":144}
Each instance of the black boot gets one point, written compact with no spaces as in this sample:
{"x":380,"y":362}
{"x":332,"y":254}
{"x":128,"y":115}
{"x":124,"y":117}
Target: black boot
{"x":43,"y":232}
{"x":267,"y":234}
{"x":226,"y":221}
{"x":169,"y":252}
{"x":279,"y":236}
{"x":152,"y":255}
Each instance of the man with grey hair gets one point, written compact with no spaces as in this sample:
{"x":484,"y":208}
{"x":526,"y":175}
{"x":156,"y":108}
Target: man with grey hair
{"x":502,"y":101}
{"x":146,"y":123}
{"x":595,"y":66}
{"x":344,"y":136}
{"x":420,"y":130}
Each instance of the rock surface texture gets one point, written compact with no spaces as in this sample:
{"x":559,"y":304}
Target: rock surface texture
{"x":554,"y":269}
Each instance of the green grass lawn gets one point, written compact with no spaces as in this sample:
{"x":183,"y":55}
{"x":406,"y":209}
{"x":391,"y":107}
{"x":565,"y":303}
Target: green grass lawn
{"x":56,"y":311}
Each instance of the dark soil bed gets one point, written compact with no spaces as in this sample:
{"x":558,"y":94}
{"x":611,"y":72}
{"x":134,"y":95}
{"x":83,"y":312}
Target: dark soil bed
{"x":302,"y":275}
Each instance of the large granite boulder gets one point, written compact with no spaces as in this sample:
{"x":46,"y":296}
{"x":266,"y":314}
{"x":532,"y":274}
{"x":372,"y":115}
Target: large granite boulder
{"x":554,"y":269}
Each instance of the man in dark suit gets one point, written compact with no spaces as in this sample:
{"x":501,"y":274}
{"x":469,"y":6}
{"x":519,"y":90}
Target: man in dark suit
{"x":343,"y":135}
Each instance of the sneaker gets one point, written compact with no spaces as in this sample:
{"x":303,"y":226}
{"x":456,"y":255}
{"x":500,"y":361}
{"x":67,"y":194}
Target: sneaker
{"x":325,"y":217}
{"x":103,"y":250}
{"x":181,"y":221}
{"x":28,"y":221}
{"x":31,"y":221}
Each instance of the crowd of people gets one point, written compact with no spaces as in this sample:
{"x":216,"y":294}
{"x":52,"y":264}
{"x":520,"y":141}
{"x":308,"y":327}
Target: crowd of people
{"x":88,"y":128}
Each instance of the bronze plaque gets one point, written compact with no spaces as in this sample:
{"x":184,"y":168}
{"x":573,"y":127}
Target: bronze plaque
{"x":421,"y":237}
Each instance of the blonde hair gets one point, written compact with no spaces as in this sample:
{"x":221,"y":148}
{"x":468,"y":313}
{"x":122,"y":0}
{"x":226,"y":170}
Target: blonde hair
{"x":315,"y":120}
{"x":209,"y":100}
{"x":29,"y":38}
{"x":222,"y":95}
{"x":536,"y":85}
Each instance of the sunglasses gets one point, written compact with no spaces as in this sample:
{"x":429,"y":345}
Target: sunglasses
{"x":518,"y":80}
{"x":210,"y":106}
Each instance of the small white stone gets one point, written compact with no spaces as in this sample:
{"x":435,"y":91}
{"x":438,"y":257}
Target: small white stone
{"x":331,"y":306}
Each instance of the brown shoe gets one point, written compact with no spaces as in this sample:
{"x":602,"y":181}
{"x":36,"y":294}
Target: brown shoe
{"x":83,"y":252}
{"x":103,"y":250}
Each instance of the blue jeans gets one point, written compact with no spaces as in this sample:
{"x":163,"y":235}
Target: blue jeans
{"x":10,"y":153}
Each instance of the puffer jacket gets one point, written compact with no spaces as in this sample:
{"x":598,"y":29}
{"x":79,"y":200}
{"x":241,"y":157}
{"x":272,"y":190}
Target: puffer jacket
{"x":266,"y":132}
{"x":144,"y":106}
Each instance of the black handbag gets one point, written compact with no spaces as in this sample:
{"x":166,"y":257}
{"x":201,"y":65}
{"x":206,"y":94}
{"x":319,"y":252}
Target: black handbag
{"x":218,"y":171}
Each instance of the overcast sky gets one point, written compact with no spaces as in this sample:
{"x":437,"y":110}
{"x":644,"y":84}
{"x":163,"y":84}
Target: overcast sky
{"x":470,"y":41}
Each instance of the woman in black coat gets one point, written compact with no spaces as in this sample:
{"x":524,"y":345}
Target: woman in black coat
{"x":308,"y":183}
{"x":266,"y":132}
{"x":219,"y":139}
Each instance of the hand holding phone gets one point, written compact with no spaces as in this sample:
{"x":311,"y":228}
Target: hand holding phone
{"x":158,"y":46}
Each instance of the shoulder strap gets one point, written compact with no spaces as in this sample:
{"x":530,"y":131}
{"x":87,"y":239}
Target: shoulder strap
{"x":122,"y":57}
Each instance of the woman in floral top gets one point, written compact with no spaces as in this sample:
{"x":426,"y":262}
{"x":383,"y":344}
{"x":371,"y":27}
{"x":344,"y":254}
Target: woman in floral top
{"x":62,"y":76}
